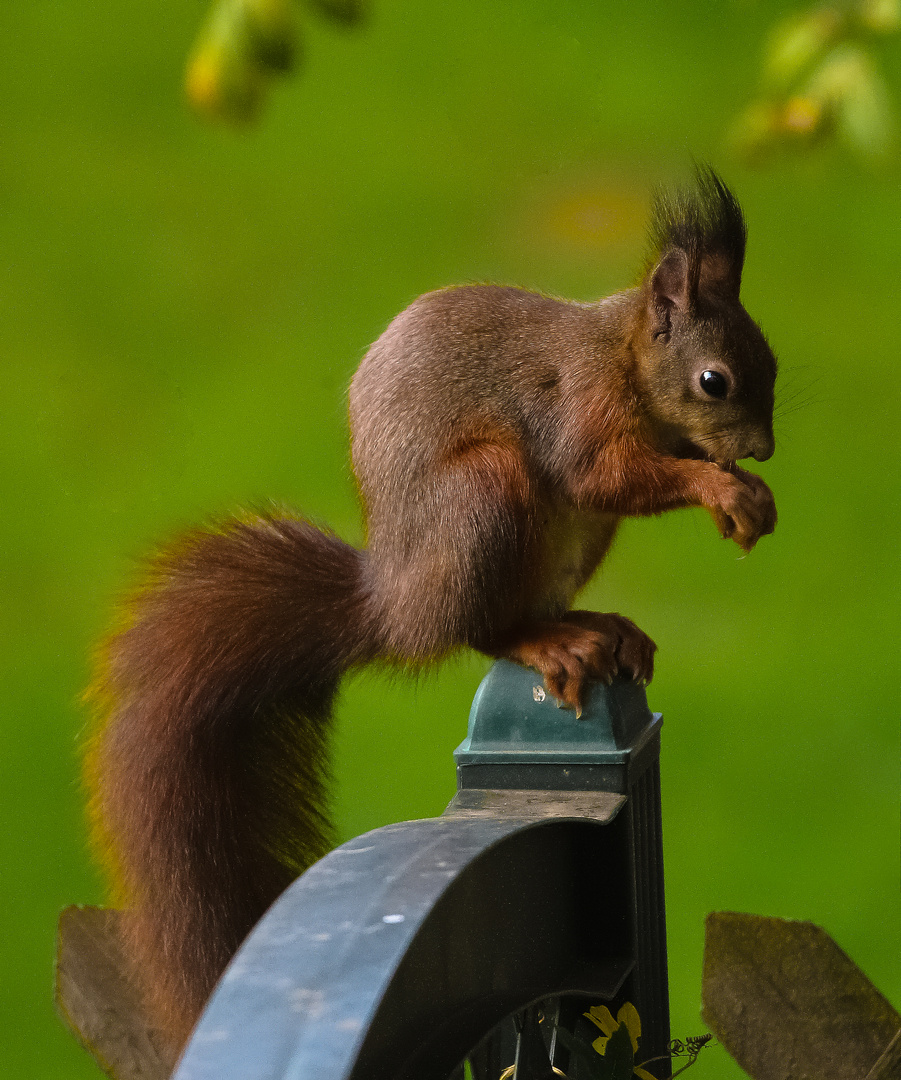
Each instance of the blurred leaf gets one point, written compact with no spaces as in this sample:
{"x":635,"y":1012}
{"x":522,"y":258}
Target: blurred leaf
{"x":346,"y":12}
{"x":243,"y":44}
{"x":797,"y":42}
{"x":820,"y":80}
{"x":882,"y":16}
{"x":752,"y":133}
{"x":802,"y":115}
{"x":766,"y":126}
{"x":272,"y":29}
{"x":850,"y":85}
{"x":785,"y":1000}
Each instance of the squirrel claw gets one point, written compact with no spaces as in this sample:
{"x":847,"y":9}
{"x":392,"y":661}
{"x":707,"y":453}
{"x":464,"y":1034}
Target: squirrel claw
{"x":581,"y":647}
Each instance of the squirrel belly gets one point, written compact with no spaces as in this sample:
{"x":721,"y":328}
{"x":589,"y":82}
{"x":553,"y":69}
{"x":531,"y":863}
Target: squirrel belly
{"x":498,"y":438}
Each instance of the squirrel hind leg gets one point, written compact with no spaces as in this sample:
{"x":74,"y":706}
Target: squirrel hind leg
{"x":456,"y":570}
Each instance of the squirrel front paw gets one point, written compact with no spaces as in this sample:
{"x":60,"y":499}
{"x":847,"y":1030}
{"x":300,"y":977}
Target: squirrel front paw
{"x":743,"y":508}
{"x":583,"y":645}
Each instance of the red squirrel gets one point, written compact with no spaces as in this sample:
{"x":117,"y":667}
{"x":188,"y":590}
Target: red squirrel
{"x":498,"y":437}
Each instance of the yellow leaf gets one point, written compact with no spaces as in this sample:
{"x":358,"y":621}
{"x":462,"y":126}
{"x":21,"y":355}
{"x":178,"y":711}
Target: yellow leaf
{"x":223,"y":85}
{"x":242,"y":45}
{"x":629,"y":1018}
{"x":600,"y":1044}
{"x":643,"y":1073}
{"x":602,"y":1017}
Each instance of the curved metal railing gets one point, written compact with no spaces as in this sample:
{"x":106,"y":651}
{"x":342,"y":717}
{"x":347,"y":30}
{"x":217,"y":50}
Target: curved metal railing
{"x":397,"y":956}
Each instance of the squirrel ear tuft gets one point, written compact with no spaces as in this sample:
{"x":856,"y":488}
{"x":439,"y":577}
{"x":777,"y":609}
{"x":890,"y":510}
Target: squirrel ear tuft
{"x":671,"y":281}
{"x":697,"y":243}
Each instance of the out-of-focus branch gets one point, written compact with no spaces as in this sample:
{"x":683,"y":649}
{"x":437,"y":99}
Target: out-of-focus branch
{"x":244,"y":46}
{"x":821,"y":81}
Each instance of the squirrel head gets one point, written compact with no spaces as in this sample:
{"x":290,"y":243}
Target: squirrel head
{"x":706,"y":371}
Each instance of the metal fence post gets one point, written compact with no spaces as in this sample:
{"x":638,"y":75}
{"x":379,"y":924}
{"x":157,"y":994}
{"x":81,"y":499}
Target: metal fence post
{"x":519,"y":739}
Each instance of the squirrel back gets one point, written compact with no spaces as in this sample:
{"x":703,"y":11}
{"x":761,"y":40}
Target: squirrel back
{"x":499,"y":436}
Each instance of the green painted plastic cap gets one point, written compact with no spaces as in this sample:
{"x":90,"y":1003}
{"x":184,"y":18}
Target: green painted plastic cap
{"x":514,"y":719}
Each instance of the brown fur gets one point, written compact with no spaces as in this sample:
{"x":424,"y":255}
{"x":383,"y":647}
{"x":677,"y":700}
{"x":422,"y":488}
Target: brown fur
{"x":498,"y":438}
{"x":208,"y":773}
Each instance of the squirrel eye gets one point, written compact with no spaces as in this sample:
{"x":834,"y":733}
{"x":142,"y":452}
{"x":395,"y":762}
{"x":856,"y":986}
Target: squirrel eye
{"x":714,"y":384}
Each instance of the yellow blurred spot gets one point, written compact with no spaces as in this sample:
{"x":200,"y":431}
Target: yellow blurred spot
{"x":801,"y":115}
{"x":591,"y":217}
{"x":202,"y":83}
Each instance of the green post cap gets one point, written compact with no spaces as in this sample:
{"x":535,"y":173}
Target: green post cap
{"x":516,"y":726}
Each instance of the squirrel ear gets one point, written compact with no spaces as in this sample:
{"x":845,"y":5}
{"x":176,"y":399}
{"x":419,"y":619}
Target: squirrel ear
{"x":671,"y":281}
{"x":720,"y":274}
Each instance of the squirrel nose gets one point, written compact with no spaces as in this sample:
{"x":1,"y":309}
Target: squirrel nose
{"x":764,"y":448}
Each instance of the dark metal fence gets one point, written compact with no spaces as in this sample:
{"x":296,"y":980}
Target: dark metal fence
{"x":468,"y":943}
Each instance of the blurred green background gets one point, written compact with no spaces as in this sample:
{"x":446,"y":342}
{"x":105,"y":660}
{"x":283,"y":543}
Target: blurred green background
{"x":181,"y":309}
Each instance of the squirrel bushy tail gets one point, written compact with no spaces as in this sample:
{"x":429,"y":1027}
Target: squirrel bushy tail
{"x":207,"y":770}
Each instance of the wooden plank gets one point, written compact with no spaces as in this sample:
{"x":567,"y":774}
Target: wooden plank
{"x":601,"y":806}
{"x":785,"y":1001}
{"x":888,"y":1067}
{"x":97,"y":999}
